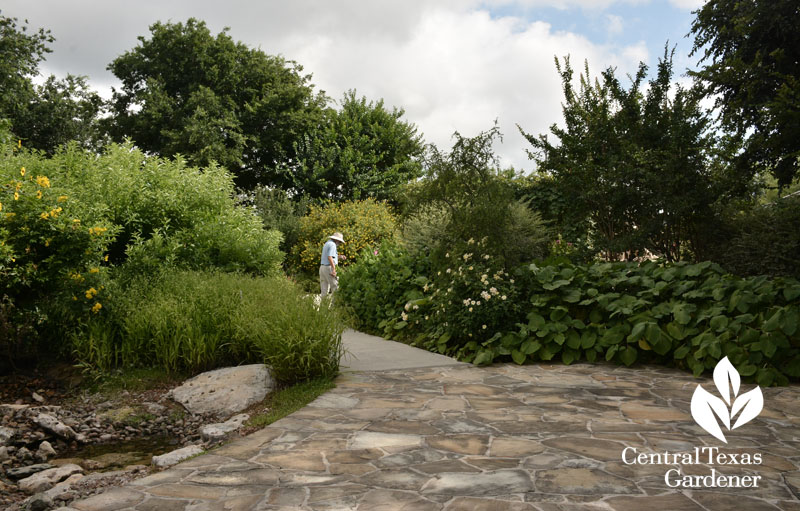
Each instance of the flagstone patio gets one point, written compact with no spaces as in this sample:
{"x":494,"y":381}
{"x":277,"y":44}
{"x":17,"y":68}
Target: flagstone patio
{"x":506,"y":437}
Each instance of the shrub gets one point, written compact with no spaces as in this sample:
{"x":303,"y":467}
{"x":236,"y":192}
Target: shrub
{"x":687,"y":315}
{"x":282,"y":213}
{"x":364,"y":224}
{"x":763,"y":241}
{"x":379,"y":286}
{"x":193,"y":321}
{"x":478,"y":201}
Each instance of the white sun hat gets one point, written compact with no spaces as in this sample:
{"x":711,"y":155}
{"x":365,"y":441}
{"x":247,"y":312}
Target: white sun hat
{"x":337,"y":236}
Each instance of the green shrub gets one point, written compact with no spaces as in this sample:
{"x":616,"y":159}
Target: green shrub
{"x":472,"y":198}
{"x":378,"y":287}
{"x":762,"y":241}
{"x":282,"y":213}
{"x":688,"y":315}
{"x":364,"y":224}
{"x":193,"y":321}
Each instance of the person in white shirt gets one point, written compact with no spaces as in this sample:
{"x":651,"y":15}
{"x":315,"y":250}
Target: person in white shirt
{"x":328,"y":279}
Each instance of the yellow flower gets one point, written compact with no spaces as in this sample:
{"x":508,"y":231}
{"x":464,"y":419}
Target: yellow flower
{"x":62,"y":198}
{"x":90,"y":293}
{"x":97,"y":307}
{"x":44,"y":216}
{"x":16,"y":195}
{"x":47,"y":242}
{"x":94,"y":270}
{"x":38,"y":194}
{"x":19,"y":144}
{"x":22,"y":172}
{"x":43,"y":181}
{"x":1,"y":206}
{"x":106,"y":258}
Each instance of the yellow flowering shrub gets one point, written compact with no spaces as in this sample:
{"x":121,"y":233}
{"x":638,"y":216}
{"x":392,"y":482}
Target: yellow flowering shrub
{"x":364,"y":225}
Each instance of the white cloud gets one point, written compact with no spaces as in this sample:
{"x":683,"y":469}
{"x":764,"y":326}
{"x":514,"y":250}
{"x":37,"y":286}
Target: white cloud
{"x":689,"y":5}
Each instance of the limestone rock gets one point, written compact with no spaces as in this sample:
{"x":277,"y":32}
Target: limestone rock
{"x":175,"y":457}
{"x":64,"y":486}
{"x":218,"y":432}
{"x":55,"y":426}
{"x":4,"y":453}
{"x":46,"y":479}
{"x":46,"y":450}
{"x":23,"y":472}
{"x":224,"y":391}
{"x":6,"y":434}
{"x":39,"y":502}
{"x":36,"y":397}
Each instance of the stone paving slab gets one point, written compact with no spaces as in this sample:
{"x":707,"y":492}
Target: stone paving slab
{"x":506,"y":437}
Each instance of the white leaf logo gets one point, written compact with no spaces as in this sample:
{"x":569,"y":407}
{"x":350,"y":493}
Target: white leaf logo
{"x":705,"y":406}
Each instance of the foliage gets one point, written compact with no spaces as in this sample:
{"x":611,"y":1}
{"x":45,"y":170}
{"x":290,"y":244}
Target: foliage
{"x":424,"y":230}
{"x":288,"y":400}
{"x":764,"y":240}
{"x":193,"y":321}
{"x":364,"y":224}
{"x":280,"y":212}
{"x":688,"y":315}
{"x":71,"y":222}
{"x":631,"y":162}
{"x":49,"y":115}
{"x":62,"y":111}
{"x":378,"y":287}
{"x":51,"y":238}
{"x":362,"y":150}
{"x":209,"y":98}
{"x":20,"y":55}
{"x":751,"y":50}
{"x":166,"y":211}
{"x":478,"y":201}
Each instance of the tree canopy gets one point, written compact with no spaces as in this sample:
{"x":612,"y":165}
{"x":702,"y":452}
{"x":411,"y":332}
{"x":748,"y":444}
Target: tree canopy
{"x":362,"y":150}
{"x":185,"y":91}
{"x":633,"y":162}
{"x":49,"y":115}
{"x":752,"y":54}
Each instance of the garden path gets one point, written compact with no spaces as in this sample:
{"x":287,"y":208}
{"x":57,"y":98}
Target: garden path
{"x":456,"y":437}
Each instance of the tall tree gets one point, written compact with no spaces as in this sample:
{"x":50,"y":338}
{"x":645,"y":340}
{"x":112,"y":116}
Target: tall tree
{"x":361,"y":150}
{"x":211,"y":98}
{"x":752,"y":53}
{"x":61,"y":111}
{"x":20,"y":55}
{"x":46,"y":116}
{"x":632,"y":162}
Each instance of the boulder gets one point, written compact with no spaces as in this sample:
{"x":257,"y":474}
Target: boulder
{"x":224,"y":391}
{"x":220,"y":431}
{"x":175,"y":457}
{"x":46,"y":479}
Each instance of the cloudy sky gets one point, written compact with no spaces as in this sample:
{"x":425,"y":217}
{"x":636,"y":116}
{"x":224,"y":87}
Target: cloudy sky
{"x":451,"y":64}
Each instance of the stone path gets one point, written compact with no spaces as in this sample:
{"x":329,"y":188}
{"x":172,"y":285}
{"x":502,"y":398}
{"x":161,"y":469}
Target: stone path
{"x":506,"y":437}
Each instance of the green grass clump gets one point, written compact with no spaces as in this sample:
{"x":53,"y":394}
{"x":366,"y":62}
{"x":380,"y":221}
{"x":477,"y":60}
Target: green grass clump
{"x":189,"y":321}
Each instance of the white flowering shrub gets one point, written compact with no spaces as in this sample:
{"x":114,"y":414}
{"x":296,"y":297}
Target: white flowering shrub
{"x":471,"y":300}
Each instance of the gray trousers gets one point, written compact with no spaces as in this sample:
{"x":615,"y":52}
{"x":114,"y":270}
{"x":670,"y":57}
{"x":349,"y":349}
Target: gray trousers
{"x":327,"y":282}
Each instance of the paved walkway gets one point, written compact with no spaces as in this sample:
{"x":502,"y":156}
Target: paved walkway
{"x":457,"y":437}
